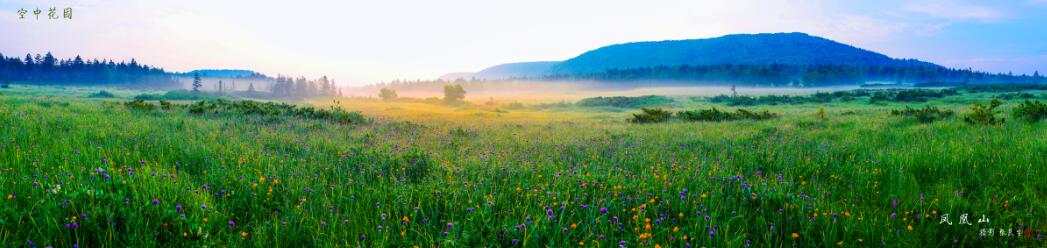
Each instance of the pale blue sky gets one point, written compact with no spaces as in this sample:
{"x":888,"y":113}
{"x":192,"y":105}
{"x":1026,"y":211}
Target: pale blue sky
{"x":359,"y":42}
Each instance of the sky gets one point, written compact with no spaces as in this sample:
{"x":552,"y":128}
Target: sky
{"x":363,"y":42}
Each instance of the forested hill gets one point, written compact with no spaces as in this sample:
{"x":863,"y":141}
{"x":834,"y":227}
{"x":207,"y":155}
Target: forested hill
{"x":46,"y":69}
{"x":780,"y":59}
{"x":791,"y":49}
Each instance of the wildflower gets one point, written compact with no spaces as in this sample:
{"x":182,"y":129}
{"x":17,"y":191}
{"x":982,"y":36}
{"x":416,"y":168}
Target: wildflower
{"x":712,"y":233}
{"x":603,"y":210}
{"x":796,"y":235}
{"x":243,"y":235}
{"x":156,"y":201}
{"x":232,"y":224}
{"x":178,"y":208}
{"x":203,"y":207}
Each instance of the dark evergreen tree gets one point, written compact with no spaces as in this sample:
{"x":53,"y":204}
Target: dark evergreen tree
{"x":197,"y":83}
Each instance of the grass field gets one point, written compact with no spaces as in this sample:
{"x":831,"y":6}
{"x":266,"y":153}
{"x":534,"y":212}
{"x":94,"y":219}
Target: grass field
{"x":94,"y":173}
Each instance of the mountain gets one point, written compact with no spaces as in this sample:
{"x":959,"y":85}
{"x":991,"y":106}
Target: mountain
{"x":224,"y":73}
{"x":789,"y":49}
{"x":511,"y":70}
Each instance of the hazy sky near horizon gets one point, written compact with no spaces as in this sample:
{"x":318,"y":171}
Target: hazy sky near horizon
{"x":362,"y":42}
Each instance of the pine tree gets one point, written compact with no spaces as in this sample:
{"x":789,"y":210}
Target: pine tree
{"x":196,"y":82}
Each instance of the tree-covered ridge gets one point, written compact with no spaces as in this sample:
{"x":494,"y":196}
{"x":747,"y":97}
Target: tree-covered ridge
{"x":806,"y":76}
{"x":751,"y":49}
{"x":46,"y":69}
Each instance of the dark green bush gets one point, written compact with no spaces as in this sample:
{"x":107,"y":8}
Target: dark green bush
{"x":101,"y":94}
{"x":714,"y":114}
{"x":1030,"y":111}
{"x":977,"y":88}
{"x":984,"y":114}
{"x":624,"y":101}
{"x":266,"y":109}
{"x":926,"y":114}
{"x":651,"y":115}
{"x":1016,"y":95}
{"x":140,"y":105}
{"x":177,"y":95}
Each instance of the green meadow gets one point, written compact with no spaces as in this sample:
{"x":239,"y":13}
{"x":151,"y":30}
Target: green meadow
{"x":359,"y":172}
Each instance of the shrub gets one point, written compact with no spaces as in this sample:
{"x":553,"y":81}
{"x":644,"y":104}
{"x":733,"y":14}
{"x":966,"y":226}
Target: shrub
{"x":1030,"y":111}
{"x":176,"y":95}
{"x":387,"y":94}
{"x":1016,"y":95}
{"x":265,"y":109}
{"x":976,"y":88}
{"x":926,"y":114}
{"x":101,"y":94}
{"x":651,"y":115}
{"x":624,"y":101}
{"x":140,"y":105}
{"x":714,"y":114}
{"x":984,"y":114}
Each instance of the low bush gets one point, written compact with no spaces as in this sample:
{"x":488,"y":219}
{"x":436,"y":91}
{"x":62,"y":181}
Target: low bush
{"x":101,"y":94}
{"x":1016,"y":95}
{"x":714,"y":114}
{"x":977,"y":88}
{"x":651,"y":115}
{"x":177,"y":95}
{"x":926,"y":114}
{"x":140,"y":105}
{"x":1032,"y":111}
{"x":247,"y":107}
{"x":624,"y":101}
{"x":984,"y":114}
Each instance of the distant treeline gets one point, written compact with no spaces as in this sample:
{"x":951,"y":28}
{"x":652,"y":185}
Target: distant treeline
{"x":805,"y":76}
{"x":46,"y":69}
{"x":287,"y":87}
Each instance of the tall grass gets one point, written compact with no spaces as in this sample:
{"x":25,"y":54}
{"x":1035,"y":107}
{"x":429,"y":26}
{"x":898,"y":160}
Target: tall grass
{"x":95,"y":174}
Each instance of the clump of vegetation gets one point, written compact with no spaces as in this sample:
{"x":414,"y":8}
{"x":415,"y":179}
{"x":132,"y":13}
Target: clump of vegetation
{"x":454,"y":93}
{"x":140,"y":105}
{"x":101,"y":94}
{"x":514,"y":106}
{"x":926,"y":114}
{"x":651,"y":115}
{"x":387,"y":94}
{"x":247,"y":107}
{"x":462,"y":133}
{"x":177,"y":95}
{"x":978,"y":88}
{"x":1032,"y":111}
{"x":911,"y":95}
{"x":1016,"y":95}
{"x":714,"y":114}
{"x":821,"y":115}
{"x":820,"y":97}
{"x":984,"y":114}
{"x":624,"y":101}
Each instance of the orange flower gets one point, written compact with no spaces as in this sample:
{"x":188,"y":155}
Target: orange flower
{"x":243,"y":235}
{"x":796,"y":235}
